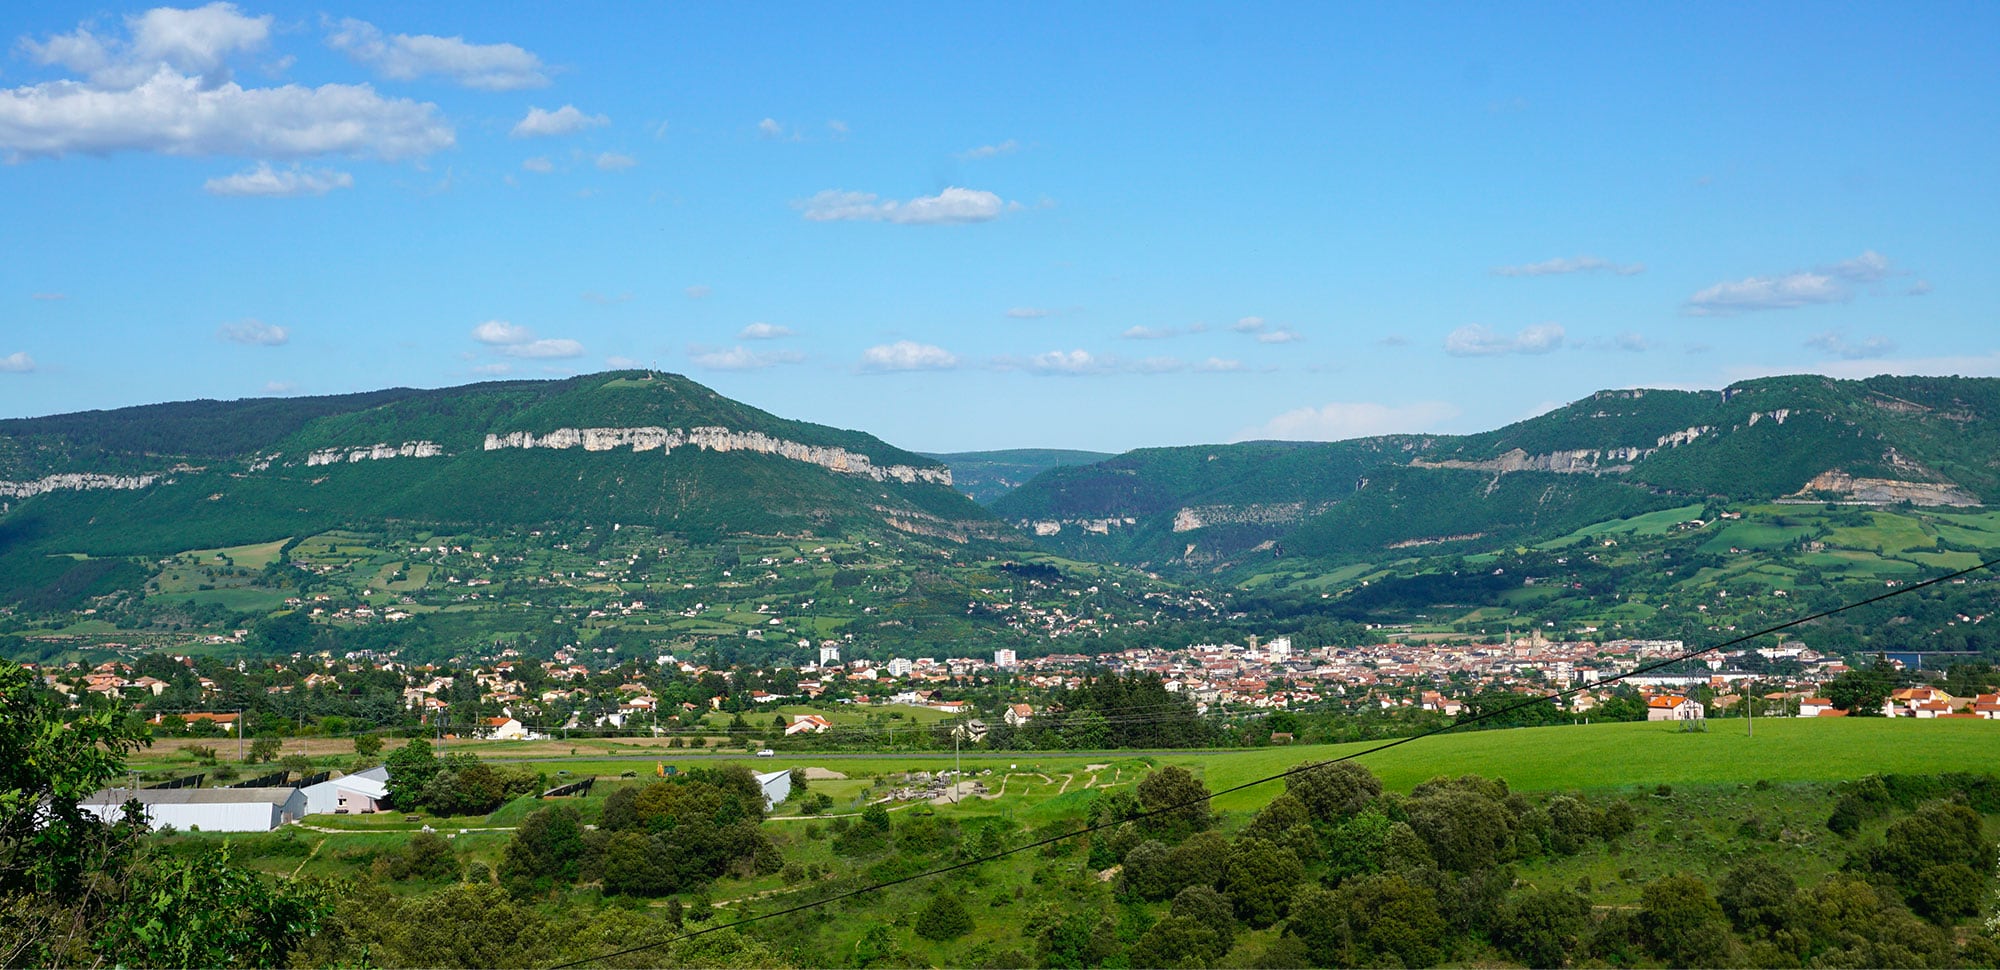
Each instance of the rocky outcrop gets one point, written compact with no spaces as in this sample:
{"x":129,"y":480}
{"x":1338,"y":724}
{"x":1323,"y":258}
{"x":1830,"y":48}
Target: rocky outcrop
{"x":1885,"y":491}
{"x":1258,"y":513}
{"x":1584,"y":461}
{"x":75,"y":482}
{"x":408,"y":449}
{"x":1049,"y":527}
{"x":665,"y":440}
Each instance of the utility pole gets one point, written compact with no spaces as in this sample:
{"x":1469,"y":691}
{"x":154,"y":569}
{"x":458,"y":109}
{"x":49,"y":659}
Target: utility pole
{"x":1749,"y":710}
{"x":957,"y":771}
{"x":239,"y":736}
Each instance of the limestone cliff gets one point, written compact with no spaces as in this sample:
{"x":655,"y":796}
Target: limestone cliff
{"x":665,"y":440}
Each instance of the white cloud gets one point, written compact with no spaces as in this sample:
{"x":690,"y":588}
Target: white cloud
{"x":905,"y":355}
{"x":697,"y":292}
{"x":763,"y":331}
{"x":279,"y":387}
{"x":1008,"y":147}
{"x":741,"y":358}
{"x":1919,"y":288}
{"x":953,"y":205}
{"x":1029,"y":313}
{"x":539,"y":165}
{"x":501,"y":332}
{"x":48,"y":296}
{"x":1826,"y":284}
{"x":255,"y":332}
{"x":1282,"y":335}
{"x":1140,"y":332}
{"x":1341,"y":420}
{"x":540,"y":123}
{"x":1475,"y":340}
{"x":198,"y":42}
{"x":838,"y":127}
{"x":543,"y":349}
{"x":1220,"y":365}
{"x":1158,"y":365}
{"x":493,"y":370}
{"x":770,"y":128}
{"x":406,"y":57}
{"x":613,"y":161}
{"x":1248,"y":325}
{"x":1573,"y":264}
{"x":175,"y":114}
{"x":1393,"y":340}
{"x":17,"y":362}
{"x":273,"y":183}
{"x":1069,"y":362}
{"x":1634,"y":342}
{"x":1981,"y":365}
{"x":1836,"y":343}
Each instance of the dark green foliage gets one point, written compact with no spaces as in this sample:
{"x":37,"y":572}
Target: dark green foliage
{"x":1759,"y":898}
{"x":986,"y":475}
{"x":1542,"y":928}
{"x":1390,"y":916}
{"x":944,"y":918}
{"x":1861,"y":692}
{"x":1682,"y":924}
{"x":1178,"y":800}
{"x":428,"y":857}
{"x":1259,"y":880}
{"x":1335,"y":792}
{"x":1179,"y":941}
{"x":1947,"y":892}
{"x":547,"y":851}
{"x":678,"y":834}
{"x":1465,"y":822}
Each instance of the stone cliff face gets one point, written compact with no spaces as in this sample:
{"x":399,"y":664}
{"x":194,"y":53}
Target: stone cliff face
{"x":1885,"y":491}
{"x":1050,"y":527}
{"x":717,"y":439}
{"x":1261,"y":513}
{"x":377,"y":452}
{"x":75,"y":481}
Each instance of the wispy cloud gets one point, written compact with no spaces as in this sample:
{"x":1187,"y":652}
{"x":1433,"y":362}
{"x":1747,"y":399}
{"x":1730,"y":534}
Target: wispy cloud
{"x":254,"y":332}
{"x":606,"y":300}
{"x":1572,"y":264}
{"x":698,"y":292}
{"x":1008,"y":147}
{"x":1029,"y":313}
{"x":17,"y":362}
{"x":907,"y":355}
{"x":1835,"y":343}
{"x":1477,"y":340}
{"x":566,"y":120}
{"x":407,"y":57}
{"x":1282,"y":335}
{"x":1248,"y":325}
{"x":615,"y":162}
{"x":1352,"y":419}
{"x":1820,"y":285}
{"x":954,"y":205}
{"x":539,"y":164}
{"x":763,"y":331}
{"x":741,"y":358}
{"x":267,"y":182}
{"x":514,"y":340}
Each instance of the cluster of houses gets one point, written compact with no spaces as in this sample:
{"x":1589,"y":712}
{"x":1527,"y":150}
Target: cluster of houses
{"x":1918,"y":702}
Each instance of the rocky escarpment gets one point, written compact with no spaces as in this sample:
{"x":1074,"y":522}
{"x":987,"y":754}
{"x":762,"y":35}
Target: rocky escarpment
{"x":76,"y":482}
{"x":1883,"y":491}
{"x":1050,"y":527}
{"x":1257,"y":513}
{"x":665,"y":440}
{"x":376,"y":452}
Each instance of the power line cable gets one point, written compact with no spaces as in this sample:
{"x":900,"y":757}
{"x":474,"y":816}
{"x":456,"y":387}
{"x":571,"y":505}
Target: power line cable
{"x":1297,"y":769}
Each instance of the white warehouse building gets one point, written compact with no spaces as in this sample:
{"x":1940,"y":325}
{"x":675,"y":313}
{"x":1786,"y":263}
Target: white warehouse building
{"x":206,"y":809}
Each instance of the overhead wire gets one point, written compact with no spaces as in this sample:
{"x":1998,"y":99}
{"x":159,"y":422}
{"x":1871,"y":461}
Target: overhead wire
{"x":1295,"y":770}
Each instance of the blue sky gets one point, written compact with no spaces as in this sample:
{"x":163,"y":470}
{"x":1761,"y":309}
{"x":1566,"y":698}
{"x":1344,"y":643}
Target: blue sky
{"x":957,"y":227}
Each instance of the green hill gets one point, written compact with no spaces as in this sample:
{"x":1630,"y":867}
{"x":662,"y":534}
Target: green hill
{"x":987,"y":475}
{"x":1886,"y":441}
{"x":629,"y":447}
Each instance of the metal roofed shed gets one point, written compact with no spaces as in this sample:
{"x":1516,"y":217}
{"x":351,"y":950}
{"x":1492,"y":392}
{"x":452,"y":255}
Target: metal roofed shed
{"x":206,"y":809}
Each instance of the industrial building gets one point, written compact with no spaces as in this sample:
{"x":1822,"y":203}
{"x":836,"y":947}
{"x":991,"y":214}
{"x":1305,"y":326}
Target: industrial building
{"x":355,"y":794}
{"x":205,"y":809}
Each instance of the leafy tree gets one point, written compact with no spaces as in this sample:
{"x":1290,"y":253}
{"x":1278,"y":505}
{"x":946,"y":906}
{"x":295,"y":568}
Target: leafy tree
{"x":1179,"y":800}
{"x":1178,"y":941}
{"x":547,"y":850}
{"x":1463,"y":824}
{"x":1334,"y":792}
{"x":410,"y":769}
{"x":1861,"y":693}
{"x":1759,"y":898}
{"x":264,"y":748}
{"x":203,"y":912}
{"x":1212,"y":909}
{"x":1541,"y":928}
{"x":1392,"y":916}
{"x":944,"y":918}
{"x":1946,"y":892}
{"x":368,"y":745}
{"x":1682,"y":924}
{"x":1260,"y":880}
